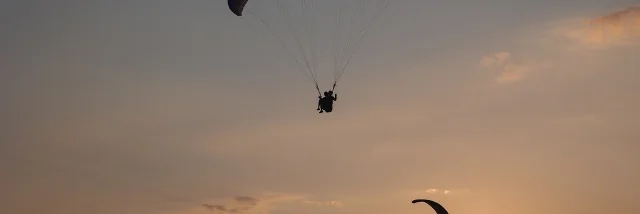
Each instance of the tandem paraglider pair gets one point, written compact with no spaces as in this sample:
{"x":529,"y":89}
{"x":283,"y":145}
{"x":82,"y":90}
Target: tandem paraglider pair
{"x":326,"y":103}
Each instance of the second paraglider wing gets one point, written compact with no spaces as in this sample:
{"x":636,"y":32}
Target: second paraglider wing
{"x":436,"y":206}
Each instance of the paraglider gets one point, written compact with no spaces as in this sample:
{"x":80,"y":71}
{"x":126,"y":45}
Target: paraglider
{"x":354,"y":21}
{"x":435,"y":205}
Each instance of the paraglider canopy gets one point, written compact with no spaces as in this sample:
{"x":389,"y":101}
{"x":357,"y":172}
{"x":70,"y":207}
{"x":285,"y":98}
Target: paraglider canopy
{"x":237,"y":6}
{"x":437,"y":207}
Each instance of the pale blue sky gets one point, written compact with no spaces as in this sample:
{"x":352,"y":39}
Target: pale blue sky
{"x":158,"y":107}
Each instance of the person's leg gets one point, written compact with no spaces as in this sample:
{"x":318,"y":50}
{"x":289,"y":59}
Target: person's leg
{"x":328,"y":109}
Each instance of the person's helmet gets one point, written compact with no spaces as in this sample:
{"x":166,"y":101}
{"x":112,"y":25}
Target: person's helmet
{"x":326,"y":93}
{"x":330,"y":92}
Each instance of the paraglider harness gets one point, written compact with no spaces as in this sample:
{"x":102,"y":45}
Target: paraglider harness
{"x":326,"y":103}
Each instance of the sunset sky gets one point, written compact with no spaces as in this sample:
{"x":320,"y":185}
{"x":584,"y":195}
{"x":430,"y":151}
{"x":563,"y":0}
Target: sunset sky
{"x":181,"y":107}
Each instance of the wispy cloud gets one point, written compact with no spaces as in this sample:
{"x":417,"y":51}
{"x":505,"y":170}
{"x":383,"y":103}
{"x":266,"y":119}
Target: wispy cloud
{"x":619,"y":28}
{"x":329,"y":203}
{"x":497,"y":59}
{"x":436,"y":191}
{"x":579,"y":35}
{"x":511,"y":70}
{"x":238,"y":204}
{"x":246,"y":200}
{"x":263,"y":203}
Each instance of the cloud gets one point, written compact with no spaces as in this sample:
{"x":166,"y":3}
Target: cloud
{"x":243,"y":203}
{"x":619,"y":28}
{"x":262,"y":204}
{"x":330,"y":203}
{"x":215,"y":207}
{"x":495,"y":59}
{"x":510,"y":70}
{"x":246,"y":200}
{"x":434,"y":191}
{"x":566,"y":40}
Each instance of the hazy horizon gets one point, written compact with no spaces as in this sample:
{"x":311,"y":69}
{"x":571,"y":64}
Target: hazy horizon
{"x":167,"y":107}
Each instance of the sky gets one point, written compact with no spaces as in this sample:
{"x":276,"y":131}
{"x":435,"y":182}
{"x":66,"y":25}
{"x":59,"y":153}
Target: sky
{"x":181,"y":107}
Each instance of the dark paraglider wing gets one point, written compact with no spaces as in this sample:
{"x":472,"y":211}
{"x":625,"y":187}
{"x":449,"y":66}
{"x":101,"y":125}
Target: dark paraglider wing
{"x":237,"y":6}
{"x":436,"y":206}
